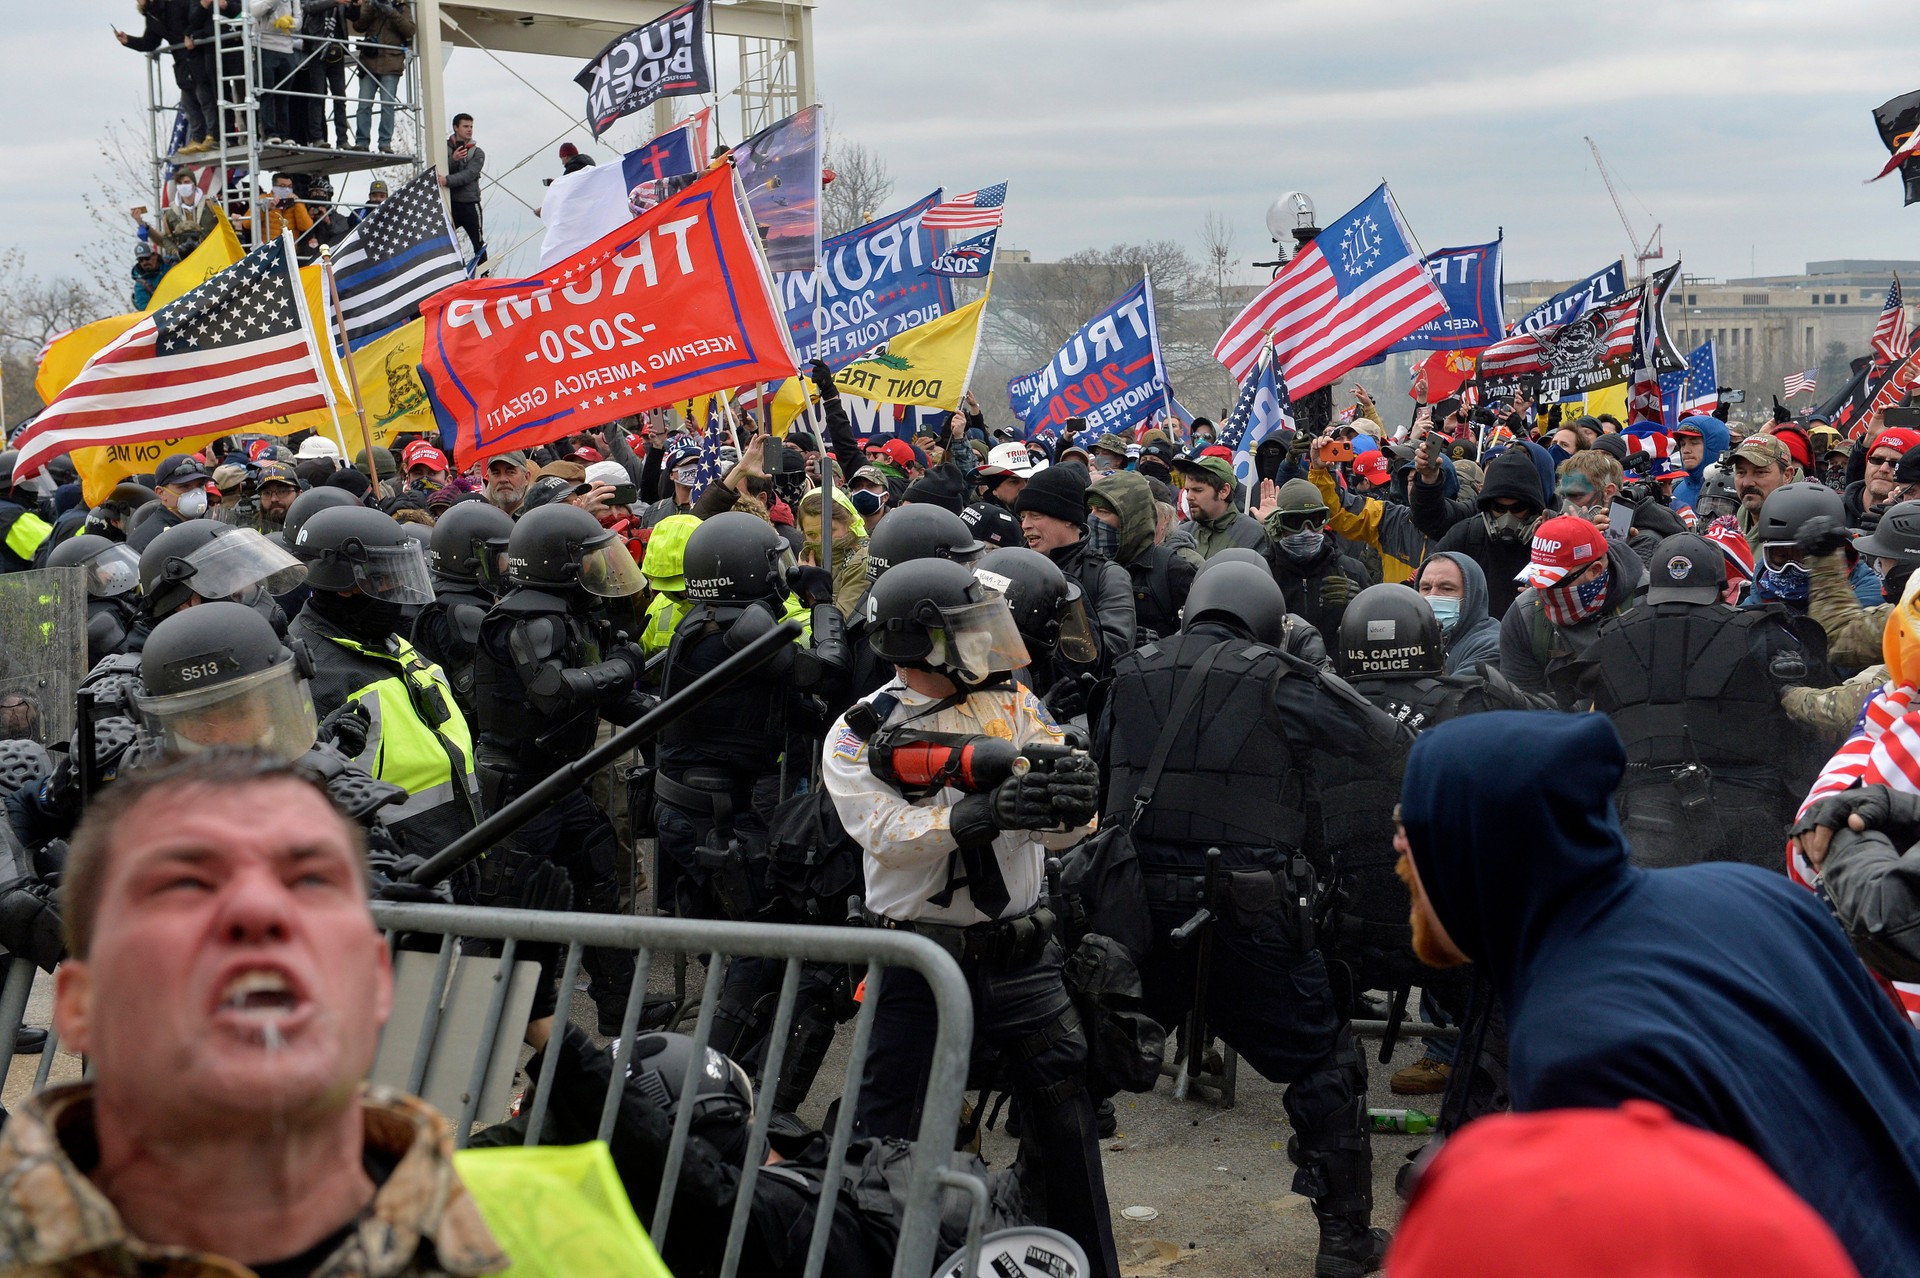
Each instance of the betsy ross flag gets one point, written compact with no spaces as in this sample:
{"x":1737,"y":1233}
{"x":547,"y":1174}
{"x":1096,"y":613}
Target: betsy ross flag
{"x":1351,"y":293}
{"x":1697,"y":390}
{"x":234,"y":351}
{"x":1798,"y":383}
{"x":400,"y":254}
{"x":1263,"y":408}
{"x":1891,"y":340}
{"x":974,"y":211}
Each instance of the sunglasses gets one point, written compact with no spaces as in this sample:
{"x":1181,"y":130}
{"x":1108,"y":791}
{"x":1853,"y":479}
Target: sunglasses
{"x":1885,"y":459}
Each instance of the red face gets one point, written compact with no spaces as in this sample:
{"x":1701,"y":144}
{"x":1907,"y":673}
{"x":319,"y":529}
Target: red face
{"x":235,"y":971}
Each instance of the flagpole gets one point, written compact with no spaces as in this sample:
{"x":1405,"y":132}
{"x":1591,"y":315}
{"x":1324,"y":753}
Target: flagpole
{"x":353,"y":372}
{"x":817,"y":418}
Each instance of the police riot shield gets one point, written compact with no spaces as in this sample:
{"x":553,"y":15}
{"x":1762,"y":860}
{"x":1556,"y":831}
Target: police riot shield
{"x":43,"y":653}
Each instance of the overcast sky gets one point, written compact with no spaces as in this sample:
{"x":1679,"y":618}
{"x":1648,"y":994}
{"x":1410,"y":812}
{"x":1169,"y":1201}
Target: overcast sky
{"x":1744,"y":127}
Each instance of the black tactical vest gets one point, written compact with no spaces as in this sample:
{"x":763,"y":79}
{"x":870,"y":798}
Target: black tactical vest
{"x":1231,"y":776}
{"x":1689,"y":683}
{"x":741,"y":728}
{"x":506,"y":720}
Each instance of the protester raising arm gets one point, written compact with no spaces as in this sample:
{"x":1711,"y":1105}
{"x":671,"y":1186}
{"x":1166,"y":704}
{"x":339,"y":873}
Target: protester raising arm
{"x":840,"y":437}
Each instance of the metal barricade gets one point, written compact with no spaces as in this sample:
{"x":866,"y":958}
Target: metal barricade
{"x":487,"y":1044}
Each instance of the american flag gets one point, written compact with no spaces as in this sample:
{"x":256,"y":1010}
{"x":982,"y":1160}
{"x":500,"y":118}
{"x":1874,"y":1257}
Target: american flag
{"x":1643,"y":391}
{"x":710,"y":468}
{"x":400,"y":254}
{"x":1263,"y":408}
{"x":974,"y":211}
{"x":1697,"y":390}
{"x":234,"y":351}
{"x":1798,"y":383}
{"x":1891,"y":340}
{"x":1352,"y":292}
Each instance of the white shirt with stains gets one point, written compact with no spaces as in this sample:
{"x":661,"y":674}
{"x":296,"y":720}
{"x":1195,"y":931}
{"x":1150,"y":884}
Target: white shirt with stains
{"x":906,"y":846}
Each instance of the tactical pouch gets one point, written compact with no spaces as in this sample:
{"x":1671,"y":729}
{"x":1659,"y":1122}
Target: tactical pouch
{"x":1250,"y":894}
{"x":639,"y":782}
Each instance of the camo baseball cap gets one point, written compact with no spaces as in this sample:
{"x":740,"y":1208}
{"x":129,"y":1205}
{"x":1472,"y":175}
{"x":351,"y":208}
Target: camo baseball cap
{"x":1764,"y":450}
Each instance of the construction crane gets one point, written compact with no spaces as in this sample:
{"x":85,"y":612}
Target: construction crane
{"x":1643,"y":253}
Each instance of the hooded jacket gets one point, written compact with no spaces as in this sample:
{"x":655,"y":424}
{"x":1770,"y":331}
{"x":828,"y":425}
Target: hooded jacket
{"x":1530,"y":645}
{"x":1713,"y":432}
{"x":1303,"y":583}
{"x":1722,"y":992}
{"x":1476,"y":636}
{"x":1161,"y":575}
{"x":1387,"y":526}
{"x":1459,"y":525}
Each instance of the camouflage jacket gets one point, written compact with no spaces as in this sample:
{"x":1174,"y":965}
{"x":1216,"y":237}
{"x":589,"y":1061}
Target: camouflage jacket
{"x":1832,"y":712}
{"x":1854,"y":633}
{"x":53,"y":1220}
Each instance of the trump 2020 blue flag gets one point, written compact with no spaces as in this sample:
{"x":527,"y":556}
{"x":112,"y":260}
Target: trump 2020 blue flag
{"x":969,"y":259}
{"x":1109,"y":372}
{"x":1569,"y":304}
{"x":1263,"y":408}
{"x":1469,"y":280}
{"x":873,"y":282}
{"x":1696,"y":390}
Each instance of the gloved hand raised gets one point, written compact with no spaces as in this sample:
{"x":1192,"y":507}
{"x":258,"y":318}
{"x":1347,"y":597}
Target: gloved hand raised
{"x":813,"y":584}
{"x":632,"y":655}
{"x":1821,"y":535}
{"x":1335,"y":591}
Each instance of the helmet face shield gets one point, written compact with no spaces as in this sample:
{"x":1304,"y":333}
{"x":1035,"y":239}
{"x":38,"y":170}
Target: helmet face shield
{"x":230,"y":565}
{"x":397,"y":574}
{"x":976,"y":641}
{"x":608,"y":570}
{"x":270,"y":710}
{"x":113,"y":572}
{"x":1074,"y":642}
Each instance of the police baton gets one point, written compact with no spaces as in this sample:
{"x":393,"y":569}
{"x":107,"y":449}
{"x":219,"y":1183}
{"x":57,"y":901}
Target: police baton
{"x":1194,"y":1033}
{"x":474,"y":842}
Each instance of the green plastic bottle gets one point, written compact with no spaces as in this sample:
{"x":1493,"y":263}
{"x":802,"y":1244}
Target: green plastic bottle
{"x":1410,"y":1122}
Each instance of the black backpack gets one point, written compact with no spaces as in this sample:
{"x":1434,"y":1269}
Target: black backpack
{"x":813,"y":863}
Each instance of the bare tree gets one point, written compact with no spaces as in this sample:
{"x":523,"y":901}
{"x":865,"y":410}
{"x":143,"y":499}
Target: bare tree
{"x":1216,"y":237}
{"x":860,"y":187}
{"x":32,"y":310}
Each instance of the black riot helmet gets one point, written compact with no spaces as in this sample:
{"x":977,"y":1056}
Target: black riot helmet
{"x":736,"y":558}
{"x":206,"y":559}
{"x":722,"y":1092}
{"x":1049,"y":608}
{"x":920,"y":531}
{"x":1896,"y":536}
{"x":1718,"y":495}
{"x":559,"y":546}
{"x":460,"y":540}
{"x":933,"y":614}
{"x":354,"y":548}
{"x":1243,"y":596}
{"x":1389,"y":631}
{"x":1788,"y":507}
{"x":112,"y":567}
{"x":217,"y":676}
{"x":1237,"y":555}
{"x":311,"y":503}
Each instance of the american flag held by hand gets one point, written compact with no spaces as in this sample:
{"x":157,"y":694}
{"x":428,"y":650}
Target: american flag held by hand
{"x":401,"y":253}
{"x":1355,"y":290}
{"x":1891,"y":339}
{"x":234,"y":351}
{"x":974,"y":211}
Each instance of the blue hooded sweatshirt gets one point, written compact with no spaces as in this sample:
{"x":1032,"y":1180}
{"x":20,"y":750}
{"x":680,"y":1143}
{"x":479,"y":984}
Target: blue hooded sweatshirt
{"x":1476,"y":635}
{"x":1721,"y":991}
{"x":1713,"y":432}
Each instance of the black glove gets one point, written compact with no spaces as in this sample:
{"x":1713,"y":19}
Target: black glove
{"x":1023,"y":803}
{"x":632,"y":656}
{"x":1870,"y":519}
{"x":346,"y":729}
{"x":1298,"y":448}
{"x":543,"y":885}
{"x":813,"y":584}
{"x":394,"y":882}
{"x":1823,"y":534}
{"x":1879,"y":808}
{"x":1335,"y":591}
{"x":30,"y":922}
{"x":1067,"y":699}
{"x":822,"y":377}
{"x":1073,"y":788}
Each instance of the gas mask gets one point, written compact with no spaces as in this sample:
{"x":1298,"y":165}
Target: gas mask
{"x":1510,"y":525}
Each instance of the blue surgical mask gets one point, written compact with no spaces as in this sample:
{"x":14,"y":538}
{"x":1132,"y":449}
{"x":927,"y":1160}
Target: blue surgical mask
{"x":1446,"y":611}
{"x":1789,"y":584}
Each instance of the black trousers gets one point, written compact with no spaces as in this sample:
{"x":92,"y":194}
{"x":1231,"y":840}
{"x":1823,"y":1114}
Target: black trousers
{"x":466,"y":217}
{"x":1739,"y":823}
{"x":1060,"y":1146}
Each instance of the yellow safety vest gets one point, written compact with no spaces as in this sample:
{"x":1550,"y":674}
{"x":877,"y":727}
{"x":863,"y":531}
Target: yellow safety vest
{"x":419,"y":740}
{"x":558,"y":1210}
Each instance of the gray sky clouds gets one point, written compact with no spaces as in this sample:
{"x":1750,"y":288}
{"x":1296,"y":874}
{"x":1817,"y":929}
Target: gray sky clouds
{"x":1744,"y":127}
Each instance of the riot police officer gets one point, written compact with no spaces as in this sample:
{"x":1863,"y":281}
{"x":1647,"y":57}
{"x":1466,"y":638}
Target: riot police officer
{"x":967,"y":871}
{"x":720,"y":770}
{"x":363,"y":571}
{"x":1049,"y":609}
{"x":914,"y":531}
{"x":1714,"y":766}
{"x":1204,"y":739}
{"x":113,"y":590}
{"x":461,"y":556}
{"x":204,"y":559}
{"x":545,"y":674}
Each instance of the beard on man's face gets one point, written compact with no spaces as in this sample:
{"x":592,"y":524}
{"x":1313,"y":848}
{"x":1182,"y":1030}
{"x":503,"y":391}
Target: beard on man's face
{"x":1427,"y":945}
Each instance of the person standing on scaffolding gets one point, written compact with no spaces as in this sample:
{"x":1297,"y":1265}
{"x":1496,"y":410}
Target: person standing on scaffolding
{"x":465,"y":160}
